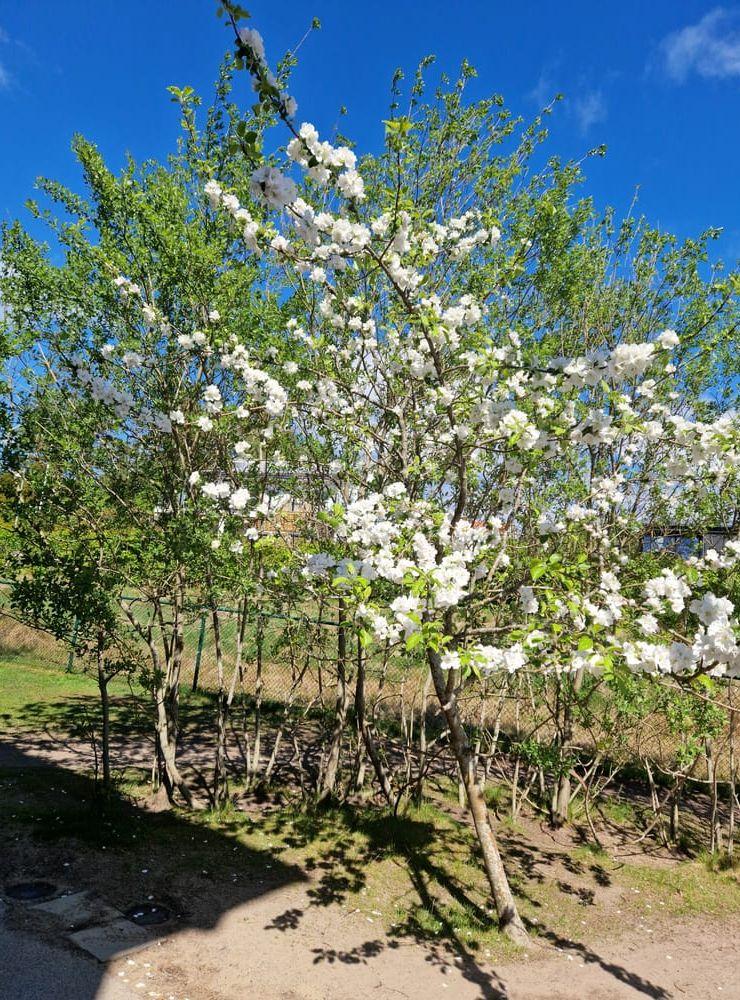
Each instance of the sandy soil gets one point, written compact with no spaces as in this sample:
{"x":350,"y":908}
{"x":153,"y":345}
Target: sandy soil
{"x":277,"y":948}
{"x":274,"y":943}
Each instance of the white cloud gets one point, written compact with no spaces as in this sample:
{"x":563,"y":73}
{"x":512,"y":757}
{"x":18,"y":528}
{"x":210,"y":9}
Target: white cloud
{"x":4,"y":74}
{"x":544,"y":90}
{"x":710,"y":48}
{"x":590,"y":109}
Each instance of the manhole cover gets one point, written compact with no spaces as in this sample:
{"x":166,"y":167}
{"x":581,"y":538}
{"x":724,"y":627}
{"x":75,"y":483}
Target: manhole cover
{"x":148,"y":914}
{"x":30,"y":891}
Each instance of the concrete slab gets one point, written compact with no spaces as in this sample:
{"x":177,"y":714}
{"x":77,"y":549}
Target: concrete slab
{"x":78,"y":909}
{"x":120,"y":937}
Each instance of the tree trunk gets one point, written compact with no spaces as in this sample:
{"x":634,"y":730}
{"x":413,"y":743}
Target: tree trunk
{"x":562,"y":791}
{"x":366,"y":732}
{"x":167,"y":740}
{"x":331,"y":767}
{"x":105,"y":712}
{"x":732,"y":786}
{"x":165,"y":690}
{"x":423,"y":746}
{"x":561,"y":800}
{"x":675,"y":809}
{"x":510,"y":922}
{"x":715,"y":836}
{"x":255,"y":764}
{"x":168,"y":701}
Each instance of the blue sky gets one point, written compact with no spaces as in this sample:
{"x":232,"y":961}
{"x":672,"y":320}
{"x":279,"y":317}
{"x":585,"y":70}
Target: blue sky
{"x":657,"y":81}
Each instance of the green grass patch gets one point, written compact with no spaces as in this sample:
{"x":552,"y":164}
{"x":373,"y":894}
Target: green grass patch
{"x":688,"y":888}
{"x":23,"y":681}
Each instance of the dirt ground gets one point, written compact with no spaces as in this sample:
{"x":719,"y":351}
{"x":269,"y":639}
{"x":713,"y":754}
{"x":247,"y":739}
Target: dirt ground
{"x":275,"y":936}
{"x":277,"y":948}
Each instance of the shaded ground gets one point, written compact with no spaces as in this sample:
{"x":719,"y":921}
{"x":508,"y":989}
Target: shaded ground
{"x":335,"y":958}
{"x":277,"y":903}
{"x":32,"y":966}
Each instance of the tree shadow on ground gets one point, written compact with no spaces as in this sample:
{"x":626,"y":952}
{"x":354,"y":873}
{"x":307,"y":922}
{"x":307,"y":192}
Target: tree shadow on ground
{"x":443,"y":898}
{"x":57,"y":826}
{"x":202,"y":872}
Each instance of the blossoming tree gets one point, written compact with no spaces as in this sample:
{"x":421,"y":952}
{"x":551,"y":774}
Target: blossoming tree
{"x":436,"y":429}
{"x":473,"y":470}
{"x":124,"y":384}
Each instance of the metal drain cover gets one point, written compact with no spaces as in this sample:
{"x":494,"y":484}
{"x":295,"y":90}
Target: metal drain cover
{"x":30,"y":892}
{"x":148,"y":914}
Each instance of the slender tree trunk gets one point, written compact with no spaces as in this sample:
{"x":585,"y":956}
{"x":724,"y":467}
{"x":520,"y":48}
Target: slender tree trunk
{"x":165,"y":690}
{"x":423,"y":745}
{"x":675,"y":813}
{"x":510,"y":922}
{"x":515,"y":788}
{"x":105,"y":713}
{"x":358,"y":772}
{"x":167,"y":740}
{"x":732,"y":785}
{"x":562,"y":794}
{"x":219,"y":777}
{"x":256,"y":758}
{"x":170,"y":707}
{"x":655,"y":804}
{"x":168,"y":701}
{"x":367,"y":735}
{"x":715,"y":836}
{"x":226,"y":698}
{"x":328,"y":781}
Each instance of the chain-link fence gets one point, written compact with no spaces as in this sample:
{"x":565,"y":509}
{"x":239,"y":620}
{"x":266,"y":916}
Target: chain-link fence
{"x":284,"y":658}
{"x":294,"y":660}
{"x":20,"y":643}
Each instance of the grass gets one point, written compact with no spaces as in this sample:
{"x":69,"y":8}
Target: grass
{"x":689,"y":888}
{"x":67,"y":703}
{"x":24,"y":683}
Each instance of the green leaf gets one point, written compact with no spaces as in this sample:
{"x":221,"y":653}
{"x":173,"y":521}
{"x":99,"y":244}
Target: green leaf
{"x":538,"y":569}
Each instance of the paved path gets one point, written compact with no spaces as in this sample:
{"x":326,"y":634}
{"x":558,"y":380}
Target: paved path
{"x":32,"y":969}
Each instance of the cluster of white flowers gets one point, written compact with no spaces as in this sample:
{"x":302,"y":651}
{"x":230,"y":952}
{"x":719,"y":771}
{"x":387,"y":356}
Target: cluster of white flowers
{"x":271,"y":186}
{"x":250,"y":228}
{"x":530,"y":604}
{"x":667,"y":589}
{"x":256,"y":382}
{"x":121,"y":402}
{"x":652,"y":658}
{"x":713,"y":648}
{"x":486,"y":659}
{"x":321,"y":161}
{"x":127,"y":289}
{"x":716,"y":640}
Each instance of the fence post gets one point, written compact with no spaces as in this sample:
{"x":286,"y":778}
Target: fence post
{"x":71,"y":657}
{"x":201,"y":640}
